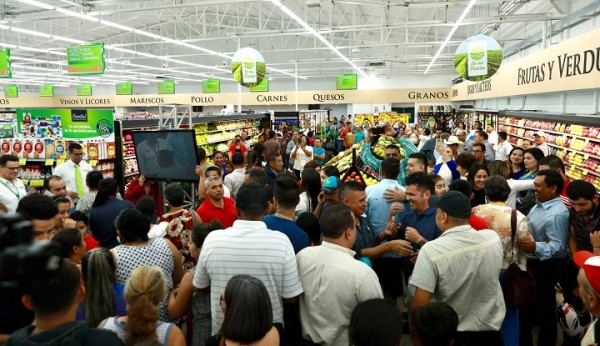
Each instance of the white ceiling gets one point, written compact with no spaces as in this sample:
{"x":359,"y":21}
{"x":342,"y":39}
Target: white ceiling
{"x":193,"y":40}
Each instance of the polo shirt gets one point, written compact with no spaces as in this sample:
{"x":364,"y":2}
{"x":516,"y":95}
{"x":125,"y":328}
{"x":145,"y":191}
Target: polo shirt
{"x":334,"y":283}
{"x":424,"y":223}
{"x":297,"y":236}
{"x":234,"y":180}
{"x":66,"y":170}
{"x":583,"y":227}
{"x":461,"y":268}
{"x":248,"y":247}
{"x":364,"y":235}
{"x":549,"y":227}
{"x":227,"y":215}
{"x":318,"y":151}
{"x":11,"y":193}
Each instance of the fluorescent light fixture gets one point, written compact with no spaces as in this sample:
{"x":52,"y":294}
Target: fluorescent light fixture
{"x":76,"y":14}
{"x":116,"y":26}
{"x":311,"y":30}
{"x":452,"y":31}
{"x":38,"y":4}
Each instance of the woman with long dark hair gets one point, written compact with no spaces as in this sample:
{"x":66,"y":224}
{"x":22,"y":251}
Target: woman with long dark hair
{"x":517,"y":165}
{"x":248,"y":315}
{"x":311,"y":187}
{"x":478,"y":174}
{"x":105,"y":209}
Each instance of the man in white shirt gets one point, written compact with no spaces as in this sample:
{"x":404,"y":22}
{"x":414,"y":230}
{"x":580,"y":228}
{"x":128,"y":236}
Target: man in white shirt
{"x":461,"y":268}
{"x":235,"y":179}
{"x":249,"y":247}
{"x":504,"y":147}
{"x":11,"y":187}
{"x":492,"y":136}
{"x":333,"y":281}
{"x":74,"y":172}
{"x":540,"y":142}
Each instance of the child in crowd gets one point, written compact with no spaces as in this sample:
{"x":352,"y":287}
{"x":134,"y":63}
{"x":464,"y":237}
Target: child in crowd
{"x":82,"y":225}
{"x":440,"y":184}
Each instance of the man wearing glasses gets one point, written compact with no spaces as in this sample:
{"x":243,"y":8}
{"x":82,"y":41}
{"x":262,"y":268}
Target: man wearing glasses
{"x":478,"y":150}
{"x":11,"y":187}
{"x":74,"y":172}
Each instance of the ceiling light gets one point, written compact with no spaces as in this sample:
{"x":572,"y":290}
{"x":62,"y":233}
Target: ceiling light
{"x":456,"y":25}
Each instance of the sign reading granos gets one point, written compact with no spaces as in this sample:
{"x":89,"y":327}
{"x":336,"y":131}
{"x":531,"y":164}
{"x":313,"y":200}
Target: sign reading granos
{"x":329,"y":97}
{"x":415,"y":95}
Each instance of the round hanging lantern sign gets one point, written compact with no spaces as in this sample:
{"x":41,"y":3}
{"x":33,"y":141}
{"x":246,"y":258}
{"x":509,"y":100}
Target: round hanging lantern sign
{"x":248,"y":67}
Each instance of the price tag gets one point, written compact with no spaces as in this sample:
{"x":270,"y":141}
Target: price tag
{"x":37,"y":183}
{"x":585,"y":172}
{"x":49,"y":162}
{"x":93,"y":163}
{"x":586,"y":156}
{"x":22,"y":162}
{"x":25,"y":182}
{"x":60,"y":161}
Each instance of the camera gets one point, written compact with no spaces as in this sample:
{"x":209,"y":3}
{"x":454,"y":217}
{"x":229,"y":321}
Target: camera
{"x":377,"y":130}
{"x":22,"y":259}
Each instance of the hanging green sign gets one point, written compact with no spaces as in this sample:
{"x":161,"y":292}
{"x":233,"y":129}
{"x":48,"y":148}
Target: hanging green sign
{"x":262,"y":87}
{"x":5,"y":70}
{"x":124,"y":88}
{"x":11,"y":91}
{"x":97,"y":124}
{"x":478,"y":58}
{"x":211,"y":86}
{"x":84,"y":89}
{"x":166,"y":87}
{"x":86,"y":59}
{"x":46,"y":90}
{"x":248,"y":67}
{"x":346,"y":82}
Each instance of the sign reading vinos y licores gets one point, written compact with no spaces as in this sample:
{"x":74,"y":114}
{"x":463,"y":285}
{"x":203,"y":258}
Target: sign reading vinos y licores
{"x":124,"y":88}
{"x":248,"y":67}
{"x":84,"y":89}
{"x":346,"y":82}
{"x":46,"y":90}
{"x":5,"y":70}
{"x":166,"y":87}
{"x":11,"y":91}
{"x":478,"y":58}
{"x":86,"y":59}
{"x":211,"y":86}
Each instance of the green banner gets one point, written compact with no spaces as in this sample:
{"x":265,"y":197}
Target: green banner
{"x":5,"y":70}
{"x":46,"y":90}
{"x":124,"y":88}
{"x":261,"y":87}
{"x":211,"y":86}
{"x":166,"y":87}
{"x":346,"y":82}
{"x":84,"y":89}
{"x":66,"y":123}
{"x":86,"y":59}
{"x":11,"y":91}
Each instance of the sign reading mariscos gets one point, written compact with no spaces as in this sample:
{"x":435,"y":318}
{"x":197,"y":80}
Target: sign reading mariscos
{"x":248,"y":67}
{"x":478,"y":58}
{"x":86,"y":59}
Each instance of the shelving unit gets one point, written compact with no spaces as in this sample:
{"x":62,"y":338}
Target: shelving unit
{"x":575,"y":139}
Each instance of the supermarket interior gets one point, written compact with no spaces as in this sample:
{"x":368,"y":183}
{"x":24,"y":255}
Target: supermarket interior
{"x":164,"y":90}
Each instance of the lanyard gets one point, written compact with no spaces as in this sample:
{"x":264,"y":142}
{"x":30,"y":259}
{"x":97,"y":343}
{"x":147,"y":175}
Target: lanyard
{"x":17,"y":194}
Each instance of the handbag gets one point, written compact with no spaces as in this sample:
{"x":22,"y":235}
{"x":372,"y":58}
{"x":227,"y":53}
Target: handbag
{"x":519,"y":289}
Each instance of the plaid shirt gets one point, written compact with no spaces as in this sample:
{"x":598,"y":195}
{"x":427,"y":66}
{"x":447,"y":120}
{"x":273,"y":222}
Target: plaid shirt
{"x":375,"y":163}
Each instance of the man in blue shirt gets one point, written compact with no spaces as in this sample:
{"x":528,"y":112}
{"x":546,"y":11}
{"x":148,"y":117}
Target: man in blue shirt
{"x":318,"y":152}
{"x":378,"y":211}
{"x":285,"y":198}
{"x":549,"y":226}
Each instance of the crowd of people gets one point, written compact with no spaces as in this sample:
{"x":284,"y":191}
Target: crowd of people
{"x":280,"y":251}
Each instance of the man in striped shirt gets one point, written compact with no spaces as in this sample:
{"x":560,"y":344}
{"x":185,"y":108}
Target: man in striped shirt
{"x":249,"y":247}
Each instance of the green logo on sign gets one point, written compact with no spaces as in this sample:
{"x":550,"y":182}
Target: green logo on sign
{"x":104,"y":128}
{"x":477,"y":53}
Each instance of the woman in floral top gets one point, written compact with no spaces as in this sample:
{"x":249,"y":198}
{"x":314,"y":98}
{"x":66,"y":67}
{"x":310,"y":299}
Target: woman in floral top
{"x":498,"y":217}
{"x":180,"y":222}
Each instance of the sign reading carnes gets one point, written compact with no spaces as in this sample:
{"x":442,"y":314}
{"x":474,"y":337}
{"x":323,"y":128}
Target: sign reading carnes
{"x":573,"y":64}
{"x":263,"y":98}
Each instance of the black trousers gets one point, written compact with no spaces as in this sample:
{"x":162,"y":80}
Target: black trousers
{"x":542,"y":311}
{"x":389,"y":271}
{"x":488,"y":338}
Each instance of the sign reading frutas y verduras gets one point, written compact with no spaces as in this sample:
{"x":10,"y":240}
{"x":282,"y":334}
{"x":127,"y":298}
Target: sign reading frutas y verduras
{"x":262,"y":87}
{"x":478,"y":58}
{"x":248,"y":67}
{"x":11,"y":91}
{"x":86,"y":59}
{"x":5,"y":70}
{"x":66,"y":123}
{"x":346,"y":82}
{"x":46,"y":90}
{"x":166,"y":87}
{"x":211,"y":86}
{"x":84,"y":89}
{"x":124,"y":88}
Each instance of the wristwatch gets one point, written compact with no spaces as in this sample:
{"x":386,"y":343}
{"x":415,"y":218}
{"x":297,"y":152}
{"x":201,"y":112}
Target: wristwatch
{"x":422,"y":242}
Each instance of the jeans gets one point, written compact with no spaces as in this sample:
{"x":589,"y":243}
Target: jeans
{"x":510,"y":325}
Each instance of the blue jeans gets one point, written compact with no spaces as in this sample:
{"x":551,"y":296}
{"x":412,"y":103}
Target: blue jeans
{"x":510,"y":325}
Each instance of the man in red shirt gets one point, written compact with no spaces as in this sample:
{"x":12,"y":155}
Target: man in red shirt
{"x":216,"y":206}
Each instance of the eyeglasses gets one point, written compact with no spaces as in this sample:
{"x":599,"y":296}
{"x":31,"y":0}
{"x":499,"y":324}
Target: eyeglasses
{"x":80,"y":154}
{"x":13,"y":168}
{"x":476,"y":151}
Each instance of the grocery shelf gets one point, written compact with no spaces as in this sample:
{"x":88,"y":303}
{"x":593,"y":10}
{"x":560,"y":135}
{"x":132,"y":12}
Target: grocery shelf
{"x":127,"y":142}
{"x":215,"y":131}
{"x":130,"y":174}
{"x":553,"y":132}
{"x":559,"y":147}
{"x":129,"y":157}
{"x":583,"y":169}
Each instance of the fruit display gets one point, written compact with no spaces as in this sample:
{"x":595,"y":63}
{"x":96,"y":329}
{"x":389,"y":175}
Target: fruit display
{"x":378,"y":149}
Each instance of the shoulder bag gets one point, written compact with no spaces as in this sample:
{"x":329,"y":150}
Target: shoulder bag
{"x":519,"y":289}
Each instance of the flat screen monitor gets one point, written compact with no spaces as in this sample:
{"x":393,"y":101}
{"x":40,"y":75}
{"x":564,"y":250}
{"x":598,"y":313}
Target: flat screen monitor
{"x":166,"y":154}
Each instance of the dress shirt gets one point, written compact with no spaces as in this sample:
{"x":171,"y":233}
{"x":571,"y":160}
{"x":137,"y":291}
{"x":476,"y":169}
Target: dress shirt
{"x":11,"y":193}
{"x":66,"y":170}
{"x":378,"y":208}
{"x":549,"y":226}
{"x":503,"y":151}
{"x":490,"y":154}
{"x":234,"y":180}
